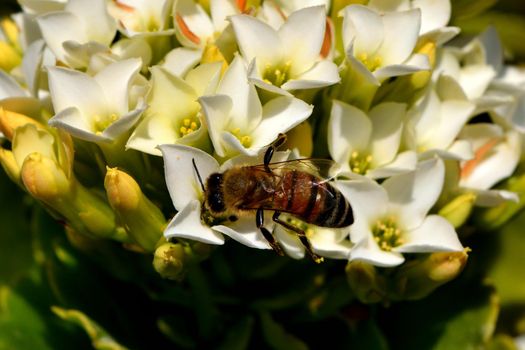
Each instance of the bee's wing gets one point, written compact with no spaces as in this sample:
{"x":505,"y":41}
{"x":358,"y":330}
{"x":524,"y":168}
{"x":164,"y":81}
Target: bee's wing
{"x":325,"y":169}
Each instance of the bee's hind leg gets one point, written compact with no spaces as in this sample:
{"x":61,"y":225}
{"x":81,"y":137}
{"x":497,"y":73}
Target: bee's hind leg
{"x":271,"y":149}
{"x":259,"y":221}
{"x":302,"y":237}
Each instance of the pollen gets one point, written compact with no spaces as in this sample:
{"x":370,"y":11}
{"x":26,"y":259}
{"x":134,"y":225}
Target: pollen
{"x":360,"y":162}
{"x":371,"y":63}
{"x":189,"y":125}
{"x":246,"y":140}
{"x":386,"y":234}
{"x":100,"y":123}
{"x":277,"y":75}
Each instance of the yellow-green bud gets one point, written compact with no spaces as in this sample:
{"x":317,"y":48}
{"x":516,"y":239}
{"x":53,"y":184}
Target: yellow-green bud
{"x":169,"y":260}
{"x":367,"y":284}
{"x":458,"y":210}
{"x":418,"y":278}
{"x":142,"y":219}
{"x":10,"y":31}
{"x":44,"y":179}
{"x":8,"y":161}
{"x":10,"y":121}
{"x":9,"y":57}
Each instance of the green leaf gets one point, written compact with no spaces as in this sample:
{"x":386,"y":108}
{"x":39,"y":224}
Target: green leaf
{"x":277,"y":337}
{"x":238,"y":337}
{"x":100,"y":339}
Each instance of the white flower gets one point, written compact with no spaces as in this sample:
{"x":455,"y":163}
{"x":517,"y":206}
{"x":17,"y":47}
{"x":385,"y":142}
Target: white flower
{"x":238,"y":123}
{"x":438,"y":117}
{"x":369,"y":144}
{"x":382,"y":46}
{"x":90,"y":29}
{"x":288,"y":58}
{"x":42,"y":6}
{"x":392,"y":219}
{"x":186,"y":194}
{"x":496,"y":155}
{"x":99,"y":108}
{"x":142,"y":17}
{"x":173,"y":114}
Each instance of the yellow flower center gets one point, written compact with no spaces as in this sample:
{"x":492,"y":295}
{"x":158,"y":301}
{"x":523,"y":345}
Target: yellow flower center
{"x":386,"y":234}
{"x":372,"y":63}
{"x":277,"y":75}
{"x":246,"y":140}
{"x":360,"y":162}
{"x":100,"y":123}
{"x":189,"y":125}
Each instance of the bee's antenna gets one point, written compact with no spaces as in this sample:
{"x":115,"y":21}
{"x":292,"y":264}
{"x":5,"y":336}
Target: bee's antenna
{"x":198,"y":174}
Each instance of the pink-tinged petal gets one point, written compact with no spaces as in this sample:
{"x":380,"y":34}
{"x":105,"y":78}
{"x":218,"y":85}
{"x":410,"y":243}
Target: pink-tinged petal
{"x":363,"y":30}
{"x":72,"y":121}
{"x":187,"y":224}
{"x":192,"y":23}
{"x":387,"y":125}
{"x":216,"y":109}
{"x":302,"y":37}
{"x":417,"y":63}
{"x":401,"y":34}
{"x":244,"y":231}
{"x":258,"y":40}
{"x":369,"y":252}
{"x":98,"y":24}
{"x":181,"y":178}
{"x":115,"y":80}
{"x":323,"y":73}
{"x":403,"y":163}
{"x":70,"y":88}
{"x":179,"y":61}
{"x":411,"y":195}
{"x":349,"y":129}
{"x":435,"y":234}
{"x":205,"y":78}
{"x":279,"y":115}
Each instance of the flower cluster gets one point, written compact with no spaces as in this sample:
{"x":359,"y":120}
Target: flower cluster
{"x":98,"y":96}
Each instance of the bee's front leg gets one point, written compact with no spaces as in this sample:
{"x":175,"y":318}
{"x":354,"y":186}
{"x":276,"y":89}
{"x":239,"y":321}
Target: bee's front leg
{"x":259,"y":221}
{"x":271,"y":149}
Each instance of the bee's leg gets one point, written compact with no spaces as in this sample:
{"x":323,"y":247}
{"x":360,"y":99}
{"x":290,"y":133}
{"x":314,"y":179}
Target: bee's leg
{"x":302,"y":237}
{"x":271,"y":149}
{"x":259,"y":221}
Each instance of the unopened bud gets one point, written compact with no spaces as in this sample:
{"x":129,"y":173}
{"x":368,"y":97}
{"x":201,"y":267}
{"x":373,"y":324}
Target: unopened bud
{"x":10,"y":57}
{"x":169,"y":260}
{"x":367,"y":284}
{"x":212,"y":54}
{"x":44,"y":179}
{"x":142,"y":219}
{"x":418,"y":278}
{"x":10,"y":121}
{"x":10,"y":31}
{"x":7,"y":159}
{"x":458,"y":210}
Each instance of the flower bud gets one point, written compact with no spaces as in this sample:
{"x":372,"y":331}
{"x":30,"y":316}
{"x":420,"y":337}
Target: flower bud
{"x":10,"y":58}
{"x":10,"y":31}
{"x":458,"y":210}
{"x":10,"y":121}
{"x":43,"y":179}
{"x":8,"y":161}
{"x":142,"y":219}
{"x":168,"y":261}
{"x":367,"y":284}
{"x":418,"y":278}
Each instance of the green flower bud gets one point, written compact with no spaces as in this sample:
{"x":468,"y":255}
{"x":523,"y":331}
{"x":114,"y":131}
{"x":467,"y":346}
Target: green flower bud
{"x":169,"y":260}
{"x":142,"y":219}
{"x":458,"y":210}
{"x":365,"y":281}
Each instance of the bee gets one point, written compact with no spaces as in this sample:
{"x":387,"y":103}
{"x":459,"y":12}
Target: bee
{"x":299,"y":188}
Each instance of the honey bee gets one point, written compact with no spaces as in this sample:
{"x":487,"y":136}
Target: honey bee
{"x":299,"y":188}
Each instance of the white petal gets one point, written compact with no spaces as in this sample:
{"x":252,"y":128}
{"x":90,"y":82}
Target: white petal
{"x":475,"y":79}
{"x":98,"y":25}
{"x":258,"y":40}
{"x":124,"y":123}
{"x":434,"y":14}
{"x":412,"y":195}
{"x":369,"y":252}
{"x":70,"y":88}
{"x":220,"y":11}
{"x":216,"y":110}
{"x":279,"y":115}
{"x":31,"y":65}
{"x":72,"y":121}
{"x":331,"y":243}
{"x":349,"y":129}
{"x":244,"y":231}
{"x":197,"y":21}
{"x":115,"y":80}
{"x":387,"y":125}
{"x":180,"y":60}
{"x":289,"y":242}
{"x":492,"y":198}
{"x":401,"y":34}
{"x":416,"y":63}
{"x":323,"y":73}
{"x":363,"y":30}
{"x":187,"y":224}
{"x":302,"y":36}
{"x":205,"y":78}
{"x":181,"y":178}
{"x":402,"y":163}
{"x":459,"y":150}
{"x":9,"y":87}
{"x":435,"y":234}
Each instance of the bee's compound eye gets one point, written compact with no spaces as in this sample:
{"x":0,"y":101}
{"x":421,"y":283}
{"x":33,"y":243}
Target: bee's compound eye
{"x":233,"y":218}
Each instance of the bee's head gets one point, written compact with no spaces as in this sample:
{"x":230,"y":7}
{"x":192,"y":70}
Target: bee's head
{"x":214,"y":193}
